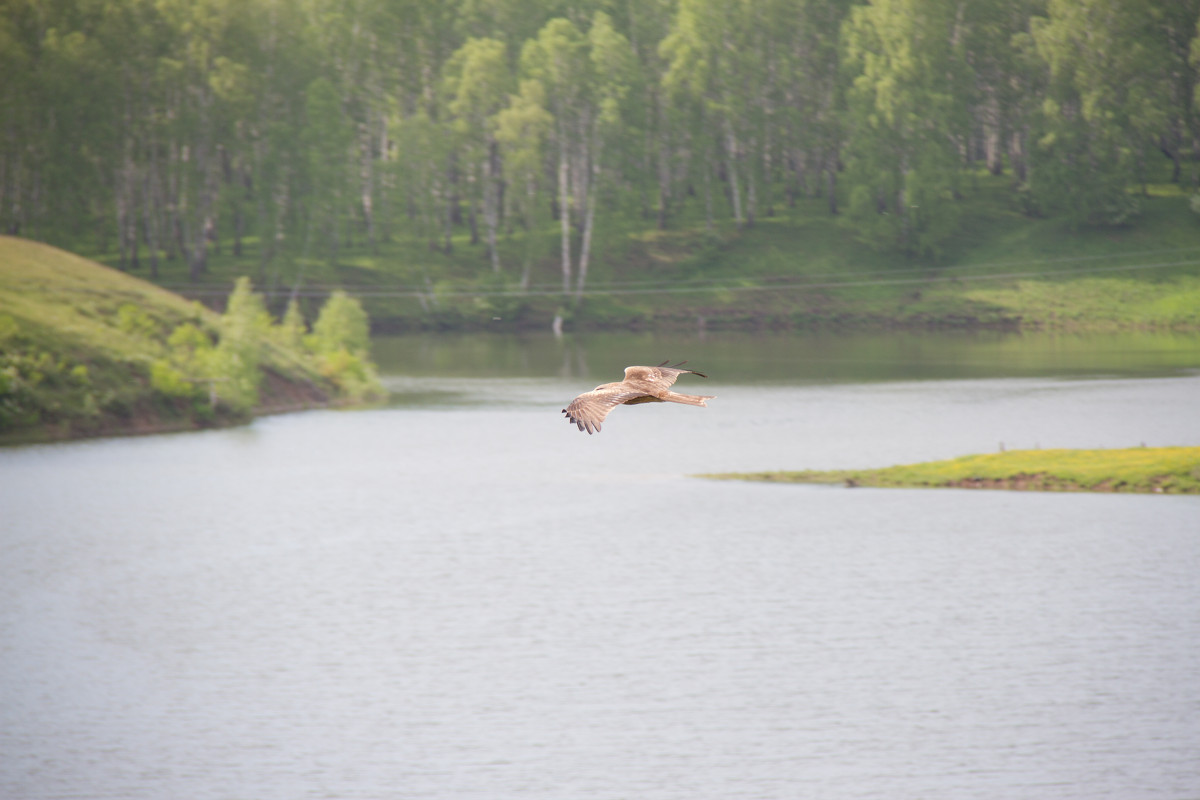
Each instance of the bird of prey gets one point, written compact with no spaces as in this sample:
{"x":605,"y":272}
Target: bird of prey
{"x":641,"y":385}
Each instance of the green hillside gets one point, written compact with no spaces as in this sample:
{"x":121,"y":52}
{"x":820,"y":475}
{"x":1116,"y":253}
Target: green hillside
{"x":88,"y":350}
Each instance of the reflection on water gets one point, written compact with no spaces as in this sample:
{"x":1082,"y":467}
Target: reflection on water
{"x":745,"y":357}
{"x":464,"y":597}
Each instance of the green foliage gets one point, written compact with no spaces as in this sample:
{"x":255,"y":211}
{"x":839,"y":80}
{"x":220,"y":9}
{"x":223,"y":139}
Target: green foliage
{"x":521,"y":129}
{"x":906,"y":103}
{"x":187,"y":366}
{"x":341,"y":342}
{"x":169,"y":380}
{"x":39,"y":386}
{"x":1107,"y":99}
{"x":327,"y":139}
{"x":134,"y":320}
{"x":225,"y":369}
{"x":85,"y":350}
{"x":189,"y":342}
{"x":353,"y":374}
{"x":584,"y":77}
{"x":237,"y":359}
{"x":292,"y":327}
{"x":341,"y":325}
{"x":229,"y":372}
{"x":477,"y":80}
{"x":167,"y":134}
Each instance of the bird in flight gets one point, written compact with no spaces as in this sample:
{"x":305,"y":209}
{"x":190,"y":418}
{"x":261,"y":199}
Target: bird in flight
{"x":641,"y":385}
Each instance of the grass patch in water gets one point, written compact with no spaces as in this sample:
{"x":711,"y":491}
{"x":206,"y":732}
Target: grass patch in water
{"x":1165,"y":470}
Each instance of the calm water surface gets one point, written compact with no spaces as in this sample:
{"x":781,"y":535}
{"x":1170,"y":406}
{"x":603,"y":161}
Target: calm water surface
{"x":460,"y":596}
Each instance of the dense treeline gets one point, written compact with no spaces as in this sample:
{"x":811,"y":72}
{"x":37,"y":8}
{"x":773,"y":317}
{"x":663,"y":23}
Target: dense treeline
{"x":166,"y":128}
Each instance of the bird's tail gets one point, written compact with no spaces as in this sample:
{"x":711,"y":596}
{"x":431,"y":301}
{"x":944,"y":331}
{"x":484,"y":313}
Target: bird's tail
{"x":688,"y":399}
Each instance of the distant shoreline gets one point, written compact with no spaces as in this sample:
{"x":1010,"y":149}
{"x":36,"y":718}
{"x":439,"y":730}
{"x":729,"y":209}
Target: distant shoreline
{"x":151,"y":426}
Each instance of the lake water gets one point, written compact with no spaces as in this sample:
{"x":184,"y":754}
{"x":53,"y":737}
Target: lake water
{"x":461,"y":596}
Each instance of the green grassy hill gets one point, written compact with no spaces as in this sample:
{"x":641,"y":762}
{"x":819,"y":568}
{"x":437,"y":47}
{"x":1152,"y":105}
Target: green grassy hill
{"x":797,"y":267}
{"x":79,"y":343}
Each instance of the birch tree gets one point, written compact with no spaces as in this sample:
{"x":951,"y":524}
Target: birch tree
{"x":584,"y":79}
{"x":522,"y":128}
{"x":722,"y":56}
{"x":1107,"y":99}
{"x":906,"y":118}
{"x":195,"y":138}
{"x":477,"y":85}
{"x":328,"y":138}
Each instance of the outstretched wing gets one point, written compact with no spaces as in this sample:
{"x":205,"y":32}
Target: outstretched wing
{"x":589,"y":409}
{"x":657,"y":379}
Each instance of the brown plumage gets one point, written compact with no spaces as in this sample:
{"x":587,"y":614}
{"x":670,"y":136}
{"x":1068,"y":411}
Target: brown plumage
{"x":641,"y":385}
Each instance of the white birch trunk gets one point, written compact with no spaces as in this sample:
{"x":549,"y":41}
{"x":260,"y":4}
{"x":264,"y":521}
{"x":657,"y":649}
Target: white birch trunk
{"x":564,"y":216}
{"x":708,"y":209}
{"x":591,"y":176}
{"x":586,"y":246}
{"x":751,"y":199}
{"x":731,"y":160}
{"x":531,"y":198}
{"x":491,"y":203}
{"x":367,"y":175}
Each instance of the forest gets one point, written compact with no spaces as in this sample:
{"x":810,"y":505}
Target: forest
{"x":161,"y":130}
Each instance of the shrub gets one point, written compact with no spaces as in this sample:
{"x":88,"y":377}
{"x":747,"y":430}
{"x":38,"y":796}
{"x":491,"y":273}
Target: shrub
{"x":341,"y":342}
{"x":341,"y":325}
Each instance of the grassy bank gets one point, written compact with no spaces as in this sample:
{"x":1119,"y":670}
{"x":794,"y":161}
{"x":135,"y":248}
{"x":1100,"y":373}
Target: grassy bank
{"x":1166,"y":470}
{"x":796,"y":267}
{"x":86,"y":350}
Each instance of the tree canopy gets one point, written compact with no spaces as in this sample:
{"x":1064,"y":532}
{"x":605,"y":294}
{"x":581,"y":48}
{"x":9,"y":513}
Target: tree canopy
{"x":160,"y":129}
